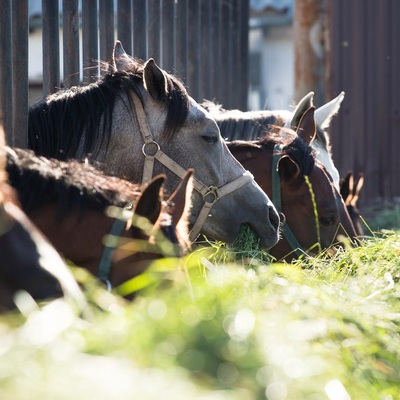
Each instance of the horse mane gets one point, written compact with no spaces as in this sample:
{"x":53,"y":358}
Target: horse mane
{"x":64,"y":121}
{"x":72,"y":184}
{"x":293,"y":146}
{"x":253,"y":125}
{"x":243,"y":125}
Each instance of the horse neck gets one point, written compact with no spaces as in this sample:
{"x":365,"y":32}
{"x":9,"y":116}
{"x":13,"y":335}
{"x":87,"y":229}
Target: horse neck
{"x":123,"y":155}
{"x":77,"y":236}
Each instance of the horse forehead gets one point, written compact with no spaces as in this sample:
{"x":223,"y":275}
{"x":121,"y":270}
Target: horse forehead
{"x":323,"y":186}
{"x":198,"y":114}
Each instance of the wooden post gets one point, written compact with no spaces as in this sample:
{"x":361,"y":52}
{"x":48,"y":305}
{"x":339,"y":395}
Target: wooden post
{"x":308,"y":49}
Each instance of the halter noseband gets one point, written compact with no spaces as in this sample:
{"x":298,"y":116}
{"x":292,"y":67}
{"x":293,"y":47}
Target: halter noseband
{"x":210,"y":194}
{"x":276,"y":199}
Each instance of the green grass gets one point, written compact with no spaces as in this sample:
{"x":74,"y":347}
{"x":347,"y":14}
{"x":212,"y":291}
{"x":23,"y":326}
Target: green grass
{"x":224,"y":324}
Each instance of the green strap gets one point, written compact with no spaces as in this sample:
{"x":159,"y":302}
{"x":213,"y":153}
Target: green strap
{"x":277,"y":200}
{"x":106,"y":259}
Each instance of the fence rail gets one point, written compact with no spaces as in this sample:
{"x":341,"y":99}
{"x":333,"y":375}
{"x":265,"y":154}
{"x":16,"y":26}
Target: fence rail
{"x":203,"y":42}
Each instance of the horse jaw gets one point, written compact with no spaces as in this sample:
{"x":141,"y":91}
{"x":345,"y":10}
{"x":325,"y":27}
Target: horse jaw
{"x":325,"y":113}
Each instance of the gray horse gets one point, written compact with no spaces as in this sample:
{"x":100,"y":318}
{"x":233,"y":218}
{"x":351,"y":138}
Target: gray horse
{"x":138,"y":121}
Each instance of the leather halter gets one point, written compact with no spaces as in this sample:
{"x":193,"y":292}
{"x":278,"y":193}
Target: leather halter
{"x":276,"y":199}
{"x":210,"y":194}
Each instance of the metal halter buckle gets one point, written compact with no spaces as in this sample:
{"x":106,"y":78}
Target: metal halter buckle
{"x":150,"y":154}
{"x":212,"y":191}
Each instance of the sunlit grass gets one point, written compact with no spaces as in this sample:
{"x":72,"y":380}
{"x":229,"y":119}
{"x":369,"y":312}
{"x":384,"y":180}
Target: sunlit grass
{"x":223,"y":323}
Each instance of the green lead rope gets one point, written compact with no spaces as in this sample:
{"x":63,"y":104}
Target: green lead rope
{"x":106,"y":259}
{"x":277,"y":200}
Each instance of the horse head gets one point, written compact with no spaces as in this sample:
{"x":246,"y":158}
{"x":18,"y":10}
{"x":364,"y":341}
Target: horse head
{"x":253,"y":125}
{"x":312,"y":211}
{"x":156,"y":229}
{"x":323,"y":116}
{"x":112,"y":227}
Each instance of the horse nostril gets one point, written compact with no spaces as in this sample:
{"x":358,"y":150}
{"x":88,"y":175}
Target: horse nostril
{"x":282,"y":217}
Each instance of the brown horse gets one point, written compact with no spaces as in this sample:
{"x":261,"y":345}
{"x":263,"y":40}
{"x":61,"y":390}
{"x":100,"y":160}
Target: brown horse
{"x":27,"y":260}
{"x":68,"y":202}
{"x":284,"y":165}
{"x":350,"y":191}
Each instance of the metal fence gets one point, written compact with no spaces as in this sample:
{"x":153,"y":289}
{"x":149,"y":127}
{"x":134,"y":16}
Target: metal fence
{"x":364,"y":61}
{"x":203,"y":42}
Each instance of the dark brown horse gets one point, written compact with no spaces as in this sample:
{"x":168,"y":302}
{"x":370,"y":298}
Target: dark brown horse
{"x":28,"y":261}
{"x":69,"y":202}
{"x":253,"y":125}
{"x":284,"y":165}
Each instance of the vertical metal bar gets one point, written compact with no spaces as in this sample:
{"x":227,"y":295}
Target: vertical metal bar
{"x":193,"y":33}
{"x":89,"y":39}
{"x":125,"y":24}
{"x":243,"y":54}
{"x":182,"y":40}
{"x":168,"y":35}
{"x":154,"y":30}
{"x":51,"y":46}
{"x":225,"y":54}
{"x":6,"y":80}
{"x":106,"y":28}
{"x":204,"y":69}
{"x":71,"y":64}
{"x":235,"y":66}
{"x":139,"y":29}
{"x":216,"y":50}
{"x":393,"y":88}
{"x":20,"y":74}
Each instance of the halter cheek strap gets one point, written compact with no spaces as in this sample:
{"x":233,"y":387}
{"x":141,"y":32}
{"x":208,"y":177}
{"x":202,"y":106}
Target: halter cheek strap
{"x":104,"y":270}
{"x":277,"y":200}
{"x":151,"y":151}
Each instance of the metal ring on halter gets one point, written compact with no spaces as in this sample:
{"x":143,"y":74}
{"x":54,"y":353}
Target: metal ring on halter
{"x":150,"y":143}
{"x":212,"y":191}
{"x":282,"y":217}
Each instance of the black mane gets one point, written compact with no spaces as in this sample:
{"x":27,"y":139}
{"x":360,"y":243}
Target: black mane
{"x":73,"y":185}
{"x":60,"y":123}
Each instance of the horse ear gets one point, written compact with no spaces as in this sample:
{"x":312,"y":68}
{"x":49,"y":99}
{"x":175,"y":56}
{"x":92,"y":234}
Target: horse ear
{"x":324,"y":114}
{"x":357,"y":188}
{"x":346,"y":186}
{"x":307,"y":127}
{"x":288,"y":169}
{"x":304,"y":104}
{"x":121,"y":60}
{"x":149,"y":203}
{"x":181,"y":197}
{"x":154,"y":80}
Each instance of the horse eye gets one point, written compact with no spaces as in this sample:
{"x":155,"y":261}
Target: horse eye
{"x":328,"y":220}
{"x":210,"y":139}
